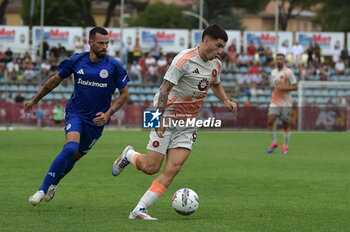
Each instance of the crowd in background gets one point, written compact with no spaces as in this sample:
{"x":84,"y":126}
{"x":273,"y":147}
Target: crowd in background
{"x":251,"y":67}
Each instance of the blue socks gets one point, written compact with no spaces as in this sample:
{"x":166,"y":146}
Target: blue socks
{"x":63,"y":163}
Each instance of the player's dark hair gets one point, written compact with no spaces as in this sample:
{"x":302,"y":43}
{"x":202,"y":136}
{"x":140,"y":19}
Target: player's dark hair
{"x":95,"y":30}
{"x":281,"y":54}
{"x":215,"y":31}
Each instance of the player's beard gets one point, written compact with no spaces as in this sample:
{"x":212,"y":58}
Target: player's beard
{"x":99,"y":54}
{"x":279,"y":65}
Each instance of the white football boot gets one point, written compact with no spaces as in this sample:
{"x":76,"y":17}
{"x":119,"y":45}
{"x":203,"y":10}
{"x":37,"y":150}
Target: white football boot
{"x":121,"y":162}
{"x":50,"y":193}
{"x":141,"y":214}
{"x":37,"y":197}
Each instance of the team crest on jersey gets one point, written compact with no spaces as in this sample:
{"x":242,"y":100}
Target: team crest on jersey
{"x":104,"y":73}
{"x":214,"y":73}
{"x":155,"y":144}
{"x":68,"y":126}
{"x":203,"y":84}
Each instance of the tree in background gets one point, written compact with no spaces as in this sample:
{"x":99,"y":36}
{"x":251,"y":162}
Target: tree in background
{"x":334,"y":15}
{"x":159,"y":15}
{"x":287,"y":10}
{"x":131,"y":4}
{"x":222,"y":12}
{"x":3,"y":7}
{"x":60,"y":13}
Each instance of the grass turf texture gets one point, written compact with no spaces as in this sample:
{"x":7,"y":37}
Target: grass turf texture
{"x":240,"y":186}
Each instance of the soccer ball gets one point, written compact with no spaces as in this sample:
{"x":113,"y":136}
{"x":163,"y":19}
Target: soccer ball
{"x":185,"y":201}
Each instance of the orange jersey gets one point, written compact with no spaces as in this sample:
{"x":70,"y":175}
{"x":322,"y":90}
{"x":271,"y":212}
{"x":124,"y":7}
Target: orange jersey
{"x":283,"y":78}
{"x":192,"y":78}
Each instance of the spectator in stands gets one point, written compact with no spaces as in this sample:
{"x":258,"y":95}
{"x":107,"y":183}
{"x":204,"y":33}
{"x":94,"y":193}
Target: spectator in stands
{"x":303,"y":72}
{"x":19,"y":98}
{"x":61,"y":50}
{"x":269,"y":56}
{"x":342,"y":101}
{"x":253,"y":69}
{"x":46,"y":49}
{"x":112,"y":48}
{"x":12,"y":71}
{"x":2,"y":67}
{"x":232,"y":56}
{"x":310,"y":52}
{"x":9,"y":55}
{"x":135,"y":71}
{"x":251,"y":50}
{"x":156,"y":49}
{"x":335,"y":54}
{"x":345,"y":55}
{"x":137,"y":50}
{"x":329,"y":103}
{"x":150,"y":60}
{"x":45,"y":68}
{"x":53,"y":68}
{"x":340,"y":67}
{"x":78,"y":45}
{"x":27,"y":58}
{"x":297,"y":51}
{"x":58,"y":113}
{"x":283,"y":49}
{"x":244,"y":82}
{"x":317,"y":51}
{"x":10,"y":98}
{"x":29,"y":74}
{"x":262,"y":55}
{"x":162,"y":65}
{"x":316,"y":66}
{"x":153,"y":77}
{"x":86,"y":46}
{"x":243,"y":60}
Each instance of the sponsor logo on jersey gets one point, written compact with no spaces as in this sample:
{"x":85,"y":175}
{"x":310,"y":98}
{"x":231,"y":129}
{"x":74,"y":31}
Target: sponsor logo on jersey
{"x":104,"y":73}
{"x":92,"y":83}
{"x":195,"y":71}
{"x":81,"y":72}
{"x":203,"y":84}
{"x":68,"y":126}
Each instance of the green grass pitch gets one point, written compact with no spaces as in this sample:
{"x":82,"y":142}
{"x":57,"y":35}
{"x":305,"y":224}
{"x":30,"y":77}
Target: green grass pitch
{"x":240,"y":186}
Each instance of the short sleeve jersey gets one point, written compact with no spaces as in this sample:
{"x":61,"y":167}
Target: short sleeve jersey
{"x":94,"y":84}
{"x":192,"y":78}
{"x":285,"y":78}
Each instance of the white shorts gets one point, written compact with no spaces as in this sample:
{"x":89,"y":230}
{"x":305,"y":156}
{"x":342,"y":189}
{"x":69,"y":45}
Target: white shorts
{"x":172,"y":138}
{"x":283,"y":113}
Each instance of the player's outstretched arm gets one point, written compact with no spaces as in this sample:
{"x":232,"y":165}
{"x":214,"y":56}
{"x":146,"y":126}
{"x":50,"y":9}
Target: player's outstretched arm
{"x":162,"y":100}
{"x":50,"y":84}
{"x":219,"y":92}
{"x":123,"y":98}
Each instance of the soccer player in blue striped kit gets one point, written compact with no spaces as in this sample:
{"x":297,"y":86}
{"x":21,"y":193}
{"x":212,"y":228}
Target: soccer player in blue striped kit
{"x":96,"y":77}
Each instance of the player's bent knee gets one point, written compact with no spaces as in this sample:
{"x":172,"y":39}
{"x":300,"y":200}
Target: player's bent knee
{"x":70,"y":149}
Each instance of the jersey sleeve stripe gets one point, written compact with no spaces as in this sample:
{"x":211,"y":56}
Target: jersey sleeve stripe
{"x":184,"y":58}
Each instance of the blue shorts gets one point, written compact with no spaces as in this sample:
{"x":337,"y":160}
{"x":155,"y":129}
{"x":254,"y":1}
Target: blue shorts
{"x":88,"y":134}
